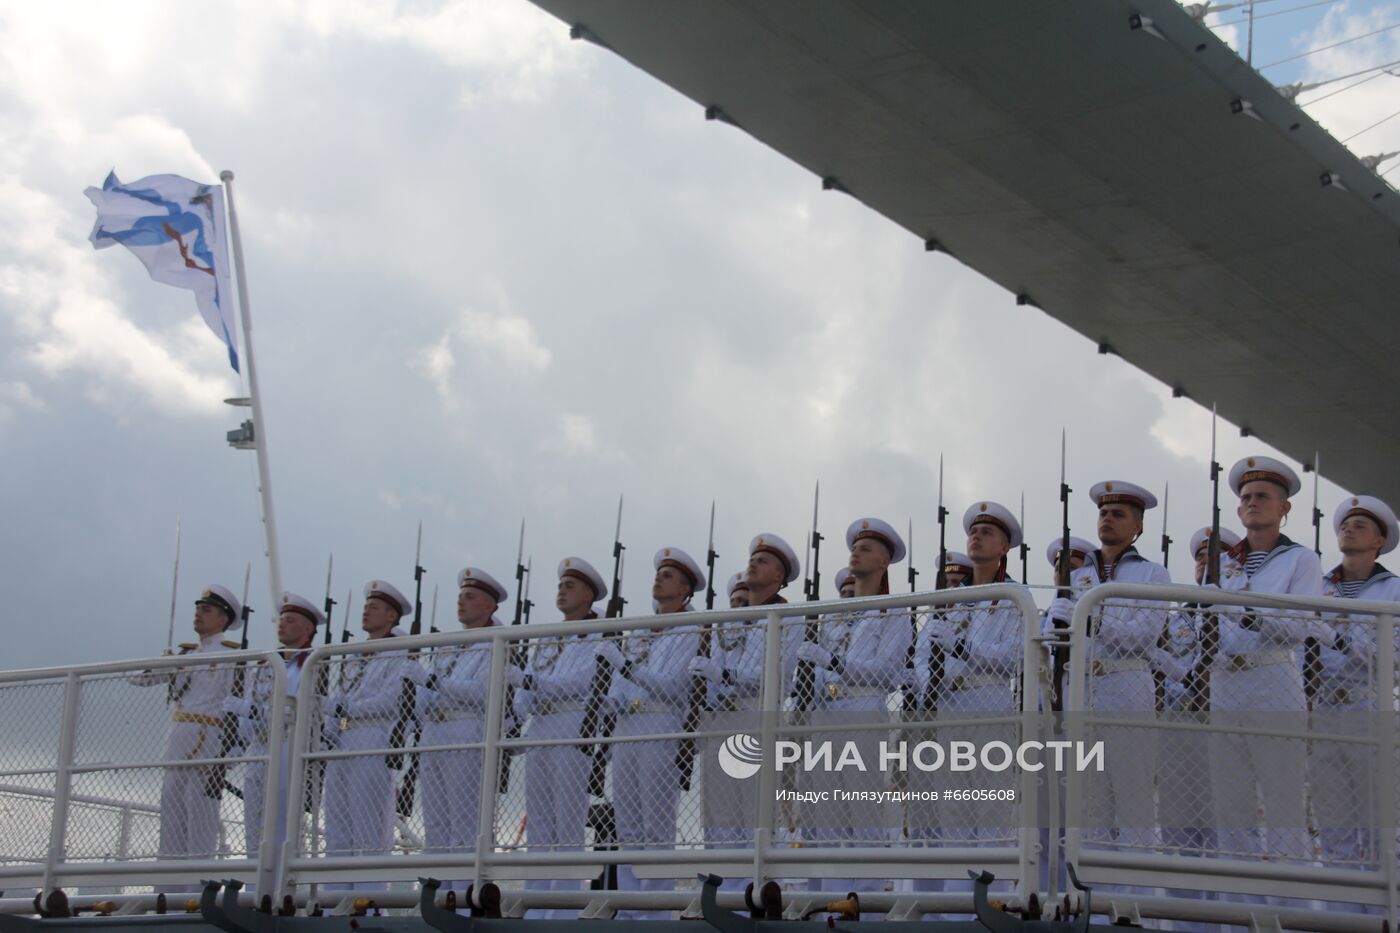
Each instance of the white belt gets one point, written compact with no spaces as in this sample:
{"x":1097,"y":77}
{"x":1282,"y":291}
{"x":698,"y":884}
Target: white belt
{"x":547,"y":708}
{"x":1100,"y":666}
{"x":970,"y":681}
{"x":841,"y":691}
{"x":1249,"y":660}
{"x":649,"y":706}
{"x":1343,"y":696}
{"x":452,"y":715}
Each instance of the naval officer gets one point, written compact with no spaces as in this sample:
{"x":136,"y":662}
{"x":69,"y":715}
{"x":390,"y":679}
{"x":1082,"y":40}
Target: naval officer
{"x":190,"y":794}
{"x":737,"y":591}
{"x":363,"y":703}
{"x":553,"y":690}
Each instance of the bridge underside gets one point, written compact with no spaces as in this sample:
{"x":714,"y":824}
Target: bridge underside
{"x":1094,"y":168}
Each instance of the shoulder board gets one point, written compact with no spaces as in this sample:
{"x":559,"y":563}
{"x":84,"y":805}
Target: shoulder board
{"x":188,"y":645}
{"x":232,"y":644}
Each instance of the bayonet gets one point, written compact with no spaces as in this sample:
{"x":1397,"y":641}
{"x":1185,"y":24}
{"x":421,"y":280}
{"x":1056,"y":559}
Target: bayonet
{"x":432,"y":613}
{"x":529,"y":575}
{"x":519,"y":576}
{"x":1060,"y":652}
{"x":913,"y":573}
{"x":247,"y":575}
{"x":710,"y":556}
{"x":1166,"y":539}
{"x":174,"y":587}
{"x":417,"y":627}
{"x":330,"y":603}
{"x":345,"y":625}
{"x":615,"y":601}
{"x":805,"y":677}
{"x":1025,"y":548}
{"x":940,"y":580}
{"x":1317,"y":513}
{"x":815,"y":554}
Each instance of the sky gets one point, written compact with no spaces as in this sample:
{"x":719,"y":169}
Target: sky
{"x":498,"y":275}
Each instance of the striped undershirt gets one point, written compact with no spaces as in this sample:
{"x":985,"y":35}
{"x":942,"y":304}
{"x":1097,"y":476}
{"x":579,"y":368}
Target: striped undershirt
{"x":1254,"y":561}
{"x":1350,"y":589}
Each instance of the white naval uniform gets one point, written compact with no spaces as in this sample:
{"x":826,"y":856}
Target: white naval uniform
{"x":556,"y":776}
{"x":731,"y":806}
{"x":1343,"y":802}
{"x":359,"y":791}
{"x":453,"y":712}
{"x":1260,"y":670}
{"x":189,"y":795}
{"x":652,"y":699}
{"x":1122,"y":639}
{"x":870,"y":649}
{"x":981,"y":680}
{"x":254,"y":730}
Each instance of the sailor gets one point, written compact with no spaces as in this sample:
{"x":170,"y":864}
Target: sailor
{"x":1079,"y":551}
{"x":969,"y":662}
{"x":650,"y":692}
{"x":845,"y":583}
{"x":553,"y":689}
{"x":364,"y":702}
{"x":957,"y":567}
{"x":451,"y":697}
{"x":297,"y":621}
{"x":1184,"y":811}
{"x":1122,"y":638}
{"x":738,"y":591}
{"x":1343,"y":787}
{"x":734,"y":670}
{"x":190,"y":794}
{"x":858,"y":660}
{"x":1255,"y":665}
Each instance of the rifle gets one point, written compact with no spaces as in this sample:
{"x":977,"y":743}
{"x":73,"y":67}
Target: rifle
{"x":805,"y":678}
{"x":911,"y":695}
{"x":1312,"y":649}
{"x":529,"y":575}
{"x":345,"y":625}
{"x":1198,"y":694}
{"x":408,"y":700}
{"x":1159,"y":680}
{"x":940,"y":582}
{"x":214,"y":777}
{"x":1060,"y":653}
{"x":603,"y":818}
{"x":685,"y":753}
{"x":517,"y":658}
{"x":1025,"y":548}
{"x":170,"y":635}
{"x":330,"y":603}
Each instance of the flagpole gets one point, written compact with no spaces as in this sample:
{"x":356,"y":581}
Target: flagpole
{"x":274,"y":563}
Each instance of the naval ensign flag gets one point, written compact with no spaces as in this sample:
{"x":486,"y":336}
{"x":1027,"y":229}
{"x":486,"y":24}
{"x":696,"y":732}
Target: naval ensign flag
{"x":176,"y":228}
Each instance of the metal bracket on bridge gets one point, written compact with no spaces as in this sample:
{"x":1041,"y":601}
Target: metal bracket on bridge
{"x":448,"y":921}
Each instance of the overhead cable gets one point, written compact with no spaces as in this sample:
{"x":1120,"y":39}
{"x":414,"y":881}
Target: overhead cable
{"x":1324,"y":48}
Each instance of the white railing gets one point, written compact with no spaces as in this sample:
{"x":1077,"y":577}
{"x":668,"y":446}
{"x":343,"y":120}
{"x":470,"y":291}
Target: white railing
{"x":1266,"y":710}
{"x":79,"y":752}
{"x":90,"y":738}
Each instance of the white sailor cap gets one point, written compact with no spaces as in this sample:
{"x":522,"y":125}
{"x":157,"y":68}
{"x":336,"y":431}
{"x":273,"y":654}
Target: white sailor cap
{"x":993,"y":513}
{"x":1228,"y":539}
{"x":291,"y":602}
{"x":957,"y":562}
{"x":581,"y":569}
{"x":779,"y":548}
{"x":1115,"y":490}
{"x":221,"y":597}
{"x":1374,"y":509}
{"x":843,"y":576}
{"x":388,"y":593}
{"x":881,"y":531}
{"x":737,"y":582}
{"x":675,"y":557}
{"x":481,"y":580}
{"x":1076,"y":546}
{"x":1264,"y":468}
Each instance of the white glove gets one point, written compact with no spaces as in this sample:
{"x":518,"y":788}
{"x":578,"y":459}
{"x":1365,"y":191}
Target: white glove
{"x":416,"y":673}
{"x":1062,"y":608}
{"x":814,"y":653}
{"x":707,"y":668}
{"x":514,"y":676}
{"x":608,"y":651}
{"x":238,"y":706}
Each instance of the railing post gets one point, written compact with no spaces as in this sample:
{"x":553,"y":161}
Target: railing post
{"x":63,"y":779}
{"x":490,"y":764}
{"x":1385,"y":769}
{"x":772,"y":703}
{"x":307,"y":711}
{"x":276,"y":734}
{"x":1030,"y":713}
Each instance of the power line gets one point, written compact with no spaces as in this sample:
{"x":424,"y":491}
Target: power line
{"x":1259,"y":16}
{"x":1334,"y":45}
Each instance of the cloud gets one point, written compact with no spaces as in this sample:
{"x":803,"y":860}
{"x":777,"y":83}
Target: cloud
{"x":509,"y":338}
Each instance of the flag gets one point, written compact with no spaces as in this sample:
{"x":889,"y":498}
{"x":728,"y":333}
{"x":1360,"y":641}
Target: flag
{"x":176,"y":228}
